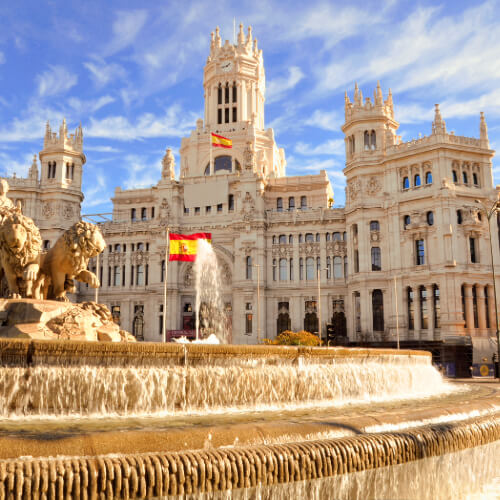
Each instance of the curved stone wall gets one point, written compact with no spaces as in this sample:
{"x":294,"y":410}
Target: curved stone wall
{"x":161,"y":474}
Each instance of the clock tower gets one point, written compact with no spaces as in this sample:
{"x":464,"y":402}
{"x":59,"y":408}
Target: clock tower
{"x":234,"y":82}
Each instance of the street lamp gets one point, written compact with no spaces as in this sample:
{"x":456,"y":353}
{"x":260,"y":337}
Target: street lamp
{"x":489,"y":212}
{"x":258,"y":301}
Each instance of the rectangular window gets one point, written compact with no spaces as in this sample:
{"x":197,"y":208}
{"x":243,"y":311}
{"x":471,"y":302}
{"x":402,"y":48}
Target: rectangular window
{"x":437,"y":308}
{"x":123,"y":275}
{"x":152,"y":212}
{"x":219,"y":116}
{"x":186,"y":210}
{"x":235,"y":93}
{"x":109,"y":275}
{"x":146,"y":280}
{"x":376,"y":259}
{"x":133,"y":214}
{"x":424,"y":323}
{"x":410,"y":309}
{"x":291,"y":269}
{"x":132,"y":275}
{"x":226,"y":115}
{"x":301,"y":268}
{"x":248,"y":323}
{"x":473,"y":253}
{"x":420,"y":252}
{"x":230,"y":202}
{"x":219,"y":207}
{"x":117,"y":276}
{"x":197,"y":210}
{"x":208,"y":209}
{"x":234,"y":114}
{"x":356,"y":261}
{"x":140,"y":275}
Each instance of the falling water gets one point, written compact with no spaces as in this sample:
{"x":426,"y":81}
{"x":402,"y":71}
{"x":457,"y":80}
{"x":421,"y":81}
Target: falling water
{"x":209,"y":304}
{"x":238,"y":385}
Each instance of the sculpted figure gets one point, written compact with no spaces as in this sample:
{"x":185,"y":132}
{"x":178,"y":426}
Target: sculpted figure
{"x":4,"y":201}
{"x":20,"y":247}
{"x":68,"y":260}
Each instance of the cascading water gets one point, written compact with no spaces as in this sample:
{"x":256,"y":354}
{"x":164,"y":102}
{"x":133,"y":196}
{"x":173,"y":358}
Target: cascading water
{"x":210,"y":314}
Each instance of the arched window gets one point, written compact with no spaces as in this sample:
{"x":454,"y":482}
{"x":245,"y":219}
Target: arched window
{"x":303,"y":202}
{"x":301,"y":238}
{"x":418,"y":181}
{"x":282,"y":239}
{"x":290,"y":239}
{"x":373,"y":141}
{"x":310,"y":268}
{"x":274,"y":269}
{"x":144,"y":213}
{"x":248,"y":268}
{"x":309,"y":238}
{"x":475,"y":179}
{"x":430,"y":218}
{"x":459,"y":217}
{"x":317,"y":237}
{"x":118,"y":248}
{"x":226,"y":93}
{"x":291,"y":203}
{"x":279,"y":204}
{"x":406,"y":183}
{"x":378,"y":310}
{"x":235,"y":92}
{"x":409,"y":301}
{"x":337,"y":267}
{"x":455,"y":176}
{"x":283,"y":269}
{"x":464,"y":177}
{"x":223,"y":163}
{"x":406,"y":221}
{"x":428,"y":178}
{"x":376,"y":259}
{"x":138,"y":323}
{"x":140,"y":247}
{"x":327,"y":236}
{"x":336,"y":237}
{"x":367,"y":140}
{"x":219,"y":94}
{"x":374,"y":225}
{"x":424,"y":319}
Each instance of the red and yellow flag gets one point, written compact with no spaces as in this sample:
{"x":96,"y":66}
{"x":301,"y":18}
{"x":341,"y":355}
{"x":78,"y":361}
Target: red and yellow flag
{"x":185,"y":246}
{"x":221,"y":142}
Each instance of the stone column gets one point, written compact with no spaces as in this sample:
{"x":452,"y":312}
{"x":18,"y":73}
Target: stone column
{"x":481,"y":310}
{"x":469,"y":309}
{"x":491,"y":309}
{"x":366,"y":320}
{"x":430,"y":311}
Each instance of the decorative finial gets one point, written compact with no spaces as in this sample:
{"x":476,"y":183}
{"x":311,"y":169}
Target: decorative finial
{"x":483,"y":131}
{"x":241,"y":35}
{"x":379,"y":100}
{"x":438,"y":125}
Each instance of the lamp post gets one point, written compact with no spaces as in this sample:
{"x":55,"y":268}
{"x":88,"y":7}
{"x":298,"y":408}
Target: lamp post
{"x":258,"y":301}
{"x":489,"y":212}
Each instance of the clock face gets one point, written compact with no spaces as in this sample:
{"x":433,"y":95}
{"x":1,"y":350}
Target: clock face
{"x":226,"y":66}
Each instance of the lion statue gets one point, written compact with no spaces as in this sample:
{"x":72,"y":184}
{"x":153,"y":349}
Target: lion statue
{"x":20,"y":247}
{"x":68,"y":259}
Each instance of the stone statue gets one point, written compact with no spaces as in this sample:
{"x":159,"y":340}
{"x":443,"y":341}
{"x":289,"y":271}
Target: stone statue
{"x":20,"y":247}
{"x":168,"y":165}
{"x":4,"y":201}
{"x":68,"y":260}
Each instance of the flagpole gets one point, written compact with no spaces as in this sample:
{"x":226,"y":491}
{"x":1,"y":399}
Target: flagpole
{"x":165,"y":288}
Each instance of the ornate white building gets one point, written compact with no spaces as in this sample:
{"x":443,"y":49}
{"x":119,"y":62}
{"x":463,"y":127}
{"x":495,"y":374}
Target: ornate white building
{"x":409,"y":254}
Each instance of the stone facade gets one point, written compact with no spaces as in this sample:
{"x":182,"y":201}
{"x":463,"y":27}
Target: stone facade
{"x":409,"y":253}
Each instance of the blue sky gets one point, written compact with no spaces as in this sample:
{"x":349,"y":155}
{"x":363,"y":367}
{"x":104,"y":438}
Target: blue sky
{"x":131,"y":72}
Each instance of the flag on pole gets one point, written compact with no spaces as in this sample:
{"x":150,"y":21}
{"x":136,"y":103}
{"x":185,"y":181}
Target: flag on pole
{"x":221,"y":142}
{"x":185,"y":246}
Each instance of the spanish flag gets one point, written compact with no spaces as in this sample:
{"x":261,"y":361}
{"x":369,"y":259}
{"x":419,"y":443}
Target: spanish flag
{"x":185,"y":246}
{"x":221,"y":142}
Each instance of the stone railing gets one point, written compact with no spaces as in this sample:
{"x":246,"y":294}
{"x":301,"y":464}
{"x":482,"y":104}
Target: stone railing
{"x":434,"y":139}
{"x":307,"y":215}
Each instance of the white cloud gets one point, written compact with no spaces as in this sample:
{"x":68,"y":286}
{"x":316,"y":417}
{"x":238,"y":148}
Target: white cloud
{"x":140,"y":173}
{"x":96,"y":194}
{"x":126,"y":27}
{"x":102,"y":149}
{"x":275,"y":89}
{"x":103,"y":72}
{"x":174,"y":123}
{"x":55,"y":80}
{"x":89,"y":105}
{"x":332,"y":147}
{"x":327,"y":120}
{"x":10,"y":165}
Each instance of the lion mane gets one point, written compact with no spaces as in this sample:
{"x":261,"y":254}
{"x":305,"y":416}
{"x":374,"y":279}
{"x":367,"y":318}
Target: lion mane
{"x":16,"y":227}
{"x":68,"y":259}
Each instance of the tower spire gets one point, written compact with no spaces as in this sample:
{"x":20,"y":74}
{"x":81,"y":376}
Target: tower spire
{"x":379,"y":100}
{"x":438,"y":125}
{"x":483,"y":132}
{"x":241,"y":36}
{"x":217,"y":38}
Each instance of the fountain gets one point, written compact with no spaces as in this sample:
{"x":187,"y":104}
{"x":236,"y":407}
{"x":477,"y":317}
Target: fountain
{"x":81,"y":419}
